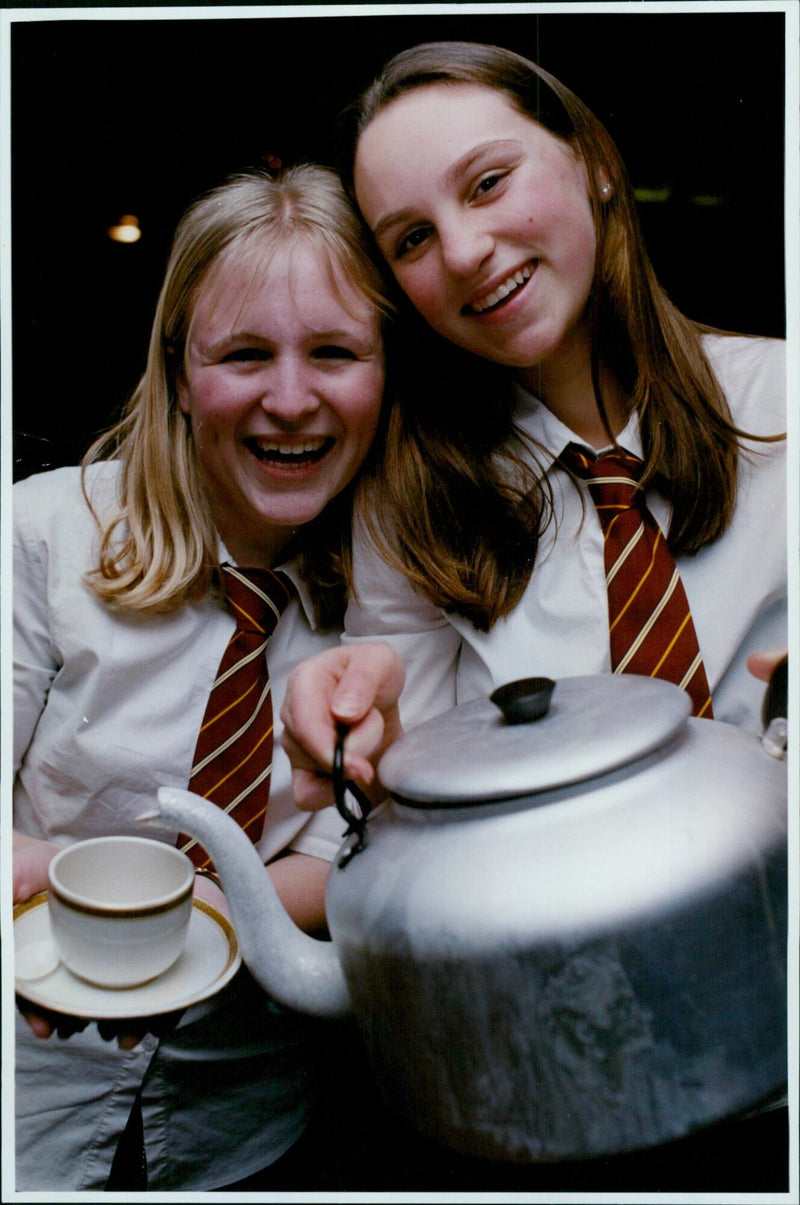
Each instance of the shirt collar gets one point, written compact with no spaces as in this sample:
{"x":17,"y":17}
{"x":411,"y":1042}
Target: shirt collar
{"x":292,"y":569}
{"x":541,"y":425}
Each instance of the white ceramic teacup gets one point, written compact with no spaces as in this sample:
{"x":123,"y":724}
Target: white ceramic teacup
{"x":120,"y":908}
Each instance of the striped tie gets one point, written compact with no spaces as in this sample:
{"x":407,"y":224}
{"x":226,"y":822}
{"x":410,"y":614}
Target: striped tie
{"x":233,"y":758}
{"x":650,"y":624}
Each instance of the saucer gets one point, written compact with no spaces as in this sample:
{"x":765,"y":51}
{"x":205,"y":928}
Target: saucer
{"x":210,"y":959}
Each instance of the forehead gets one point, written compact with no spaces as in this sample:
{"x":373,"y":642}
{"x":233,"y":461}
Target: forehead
{"x":446,"y":111}
{"x":249,"y":280}
{"x":428,"y":137}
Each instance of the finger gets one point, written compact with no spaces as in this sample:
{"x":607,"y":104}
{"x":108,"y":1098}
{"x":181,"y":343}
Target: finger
{"x":40,"y":1026}
{"x":127,"y":1034}
{"x":70,"y":1026}
{"x":132,"y":1030}
{"x":309,"y":729}
{"x":373,"y":677}
{"x":311,"y":792}
{"x":341,"y":684}
{"x":363,"y":740}
{"x":129,"y":1041}
{"x":763,"y":664}
{"x":44,"y":1022}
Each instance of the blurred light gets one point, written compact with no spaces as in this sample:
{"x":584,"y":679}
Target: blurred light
{"x":706,"y":199}
{"x":653,"y":194}
{"x":126,"y":231}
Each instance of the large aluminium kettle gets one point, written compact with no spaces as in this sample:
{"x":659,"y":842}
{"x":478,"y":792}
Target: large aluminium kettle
{"x":565,"y":934}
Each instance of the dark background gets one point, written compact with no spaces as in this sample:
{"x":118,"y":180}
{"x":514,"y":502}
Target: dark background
{"x":141,"y":115}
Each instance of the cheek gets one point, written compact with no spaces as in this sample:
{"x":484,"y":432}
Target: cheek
{"x":214,"y":423}
{"x":423,"y":285}
{"x":367,"y":422}
{"x":584,"y":247}
{"x":362,"y":413}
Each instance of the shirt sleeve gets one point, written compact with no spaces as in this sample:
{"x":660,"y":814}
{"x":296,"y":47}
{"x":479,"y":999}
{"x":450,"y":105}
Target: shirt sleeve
{"x":322,"y":836}
{"x":35,"y":660}
{"x":385,"y":606}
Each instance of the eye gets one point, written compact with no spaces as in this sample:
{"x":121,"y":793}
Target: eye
{"x":409,"y":242}
{"x":333,"y":351}
{"x":489,"y":182}
{"x":245,"y":354}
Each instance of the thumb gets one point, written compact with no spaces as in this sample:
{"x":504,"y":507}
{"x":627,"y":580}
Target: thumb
{"x":373,"y":676}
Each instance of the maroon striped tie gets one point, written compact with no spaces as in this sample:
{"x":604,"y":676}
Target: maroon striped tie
{"x":650,"y":624}
{"x":233,"y":757}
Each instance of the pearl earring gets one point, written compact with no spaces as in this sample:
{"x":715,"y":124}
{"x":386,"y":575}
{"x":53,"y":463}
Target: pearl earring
{"x":605,"y":191}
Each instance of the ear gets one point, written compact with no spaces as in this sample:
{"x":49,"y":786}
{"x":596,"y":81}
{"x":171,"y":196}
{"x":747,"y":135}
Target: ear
{"x":604,"y":185}
{"x":182,"y":390}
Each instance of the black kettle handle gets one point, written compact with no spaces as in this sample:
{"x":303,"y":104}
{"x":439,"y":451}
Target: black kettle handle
{"x":356,"y":820}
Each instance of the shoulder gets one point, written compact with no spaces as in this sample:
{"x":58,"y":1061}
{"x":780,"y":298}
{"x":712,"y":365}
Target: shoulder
{"x":54,"y":490}
{"x":50,"y":505}
{"x":752,"y":373}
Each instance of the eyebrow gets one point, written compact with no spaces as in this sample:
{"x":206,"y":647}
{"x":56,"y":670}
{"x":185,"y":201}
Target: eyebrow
{"x":453,"y":175}
{"x":246,"y":338}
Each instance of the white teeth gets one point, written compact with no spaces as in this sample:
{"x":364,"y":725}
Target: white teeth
{"x":290,"y":449}
{"x":508,"y":286}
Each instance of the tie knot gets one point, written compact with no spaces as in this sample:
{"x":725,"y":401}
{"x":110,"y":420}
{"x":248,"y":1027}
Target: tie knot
{"x":257,"y":597}
{"x":613,"y":478}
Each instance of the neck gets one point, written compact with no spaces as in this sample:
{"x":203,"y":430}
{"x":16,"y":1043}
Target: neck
{"x":265,"y":552}
{"x":566,"y":388}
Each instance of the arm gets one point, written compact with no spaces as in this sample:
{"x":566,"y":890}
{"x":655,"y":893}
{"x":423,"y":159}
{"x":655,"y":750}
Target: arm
{"x":35,"y":657}
{"x":395,"y":641}
{"x":300,"y":881}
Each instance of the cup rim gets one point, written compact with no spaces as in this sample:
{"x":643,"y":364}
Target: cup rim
{"x":81,"y":902}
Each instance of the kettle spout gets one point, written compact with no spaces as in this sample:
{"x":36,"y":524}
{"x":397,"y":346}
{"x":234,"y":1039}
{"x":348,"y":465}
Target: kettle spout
{"x":296,"y":970}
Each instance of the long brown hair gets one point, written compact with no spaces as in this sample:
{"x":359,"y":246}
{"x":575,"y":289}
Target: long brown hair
{"x":690,"y":445}
{"x":158,"y":545}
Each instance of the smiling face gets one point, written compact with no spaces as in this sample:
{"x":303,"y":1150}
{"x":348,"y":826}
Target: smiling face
{"x":484,"y":217}
{"x":282,"y":380}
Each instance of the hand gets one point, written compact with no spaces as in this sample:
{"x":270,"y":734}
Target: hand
{"x":129,"y":1033}
{"x":763,"y":665}
{"x":32,"y":857}
{"x":44,"y":1022}
{"x":355,"y":684}
{"x":206,"y":889}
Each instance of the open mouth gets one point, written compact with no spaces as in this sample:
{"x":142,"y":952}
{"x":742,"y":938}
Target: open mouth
{"x":504,"y":291}
{"x":286,"y":455}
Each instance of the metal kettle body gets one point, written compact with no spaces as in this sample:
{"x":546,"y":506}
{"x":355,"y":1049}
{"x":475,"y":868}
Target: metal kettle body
{"x":560,"y":939}
{"x":580,"y":971}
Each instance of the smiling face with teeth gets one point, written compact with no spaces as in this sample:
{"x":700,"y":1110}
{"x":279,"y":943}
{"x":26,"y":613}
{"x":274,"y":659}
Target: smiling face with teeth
{"x":484,"y":217}
{"x":282,"y":380}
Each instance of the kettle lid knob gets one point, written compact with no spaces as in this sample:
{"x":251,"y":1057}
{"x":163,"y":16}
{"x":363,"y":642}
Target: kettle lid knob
{"x":524,"y":701}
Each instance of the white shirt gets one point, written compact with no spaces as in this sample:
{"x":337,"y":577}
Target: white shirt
{"x":107,"y":709}
{"x":737,"y":586}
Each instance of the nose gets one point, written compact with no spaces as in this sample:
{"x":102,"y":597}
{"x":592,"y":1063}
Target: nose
{"x":465,"y":243}
{"x":290,"y":396}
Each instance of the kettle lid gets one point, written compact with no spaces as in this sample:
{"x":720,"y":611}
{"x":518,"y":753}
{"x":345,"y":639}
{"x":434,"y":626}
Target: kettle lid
{"x":478,"y":752}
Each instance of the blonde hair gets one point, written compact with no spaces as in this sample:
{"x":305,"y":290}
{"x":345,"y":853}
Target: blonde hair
{"x":158,"y":545}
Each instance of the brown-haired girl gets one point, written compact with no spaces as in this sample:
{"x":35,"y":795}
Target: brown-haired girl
{"x":502,"y":209}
